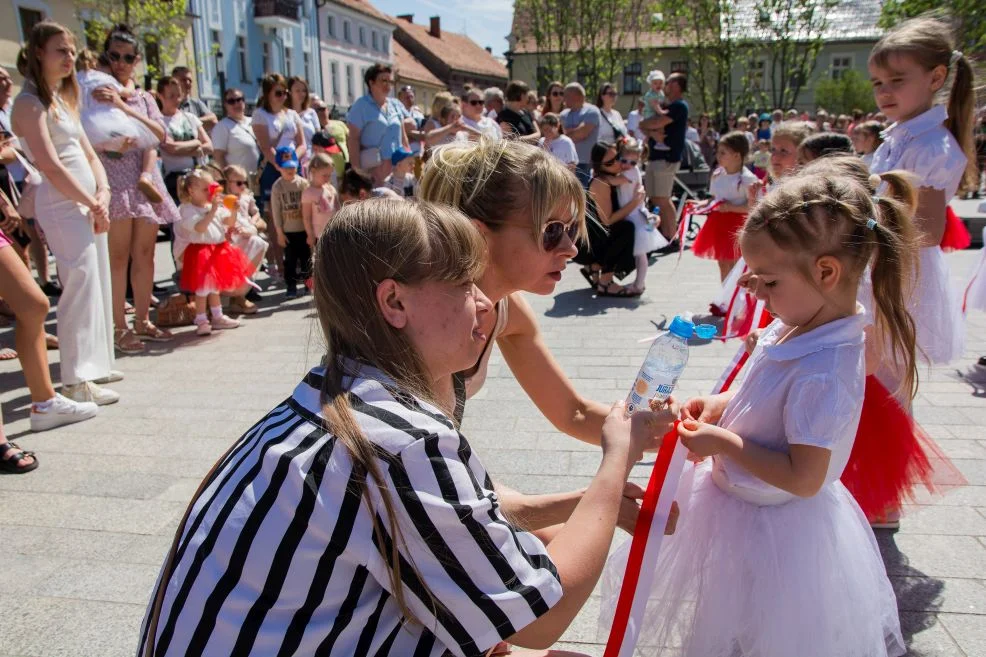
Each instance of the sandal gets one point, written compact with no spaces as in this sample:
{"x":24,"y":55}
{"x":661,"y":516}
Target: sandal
{"x":624,"y":292}
{"x":126,"y":342}
{"x":590,"y":275}
{"x":51,"y":342}
{"x":149,"y":332}
{"x":146,"y":186}
{"x":9,"y":464}
{"x":6,"y":353}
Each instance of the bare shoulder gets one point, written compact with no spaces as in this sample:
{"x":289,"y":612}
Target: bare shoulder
{"x":521,"y":320}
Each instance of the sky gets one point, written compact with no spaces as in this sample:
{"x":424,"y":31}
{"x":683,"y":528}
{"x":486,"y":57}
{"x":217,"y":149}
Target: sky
{"x":487,"y":22}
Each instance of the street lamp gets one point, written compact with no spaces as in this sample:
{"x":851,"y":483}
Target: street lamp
{"x":221,"y":74}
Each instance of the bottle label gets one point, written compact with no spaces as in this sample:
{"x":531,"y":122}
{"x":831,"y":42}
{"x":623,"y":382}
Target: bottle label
{"x":644,"y":389}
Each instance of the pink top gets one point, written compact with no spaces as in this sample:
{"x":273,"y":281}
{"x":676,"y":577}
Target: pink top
{"x":324,"y":202}
{"x":4,"y":240}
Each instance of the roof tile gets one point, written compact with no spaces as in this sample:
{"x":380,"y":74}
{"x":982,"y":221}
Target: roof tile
{"x":411,"y":68}
{"x":457,"y":50}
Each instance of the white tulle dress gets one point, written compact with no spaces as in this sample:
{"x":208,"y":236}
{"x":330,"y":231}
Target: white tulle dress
{"x":106,"y":125}
{"x":752,"y":570}
{"x":646,"y":236}
{"x":975,"y":294}
{"x":925,"y":148}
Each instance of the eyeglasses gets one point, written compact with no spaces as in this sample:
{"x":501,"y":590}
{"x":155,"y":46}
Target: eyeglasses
{"x":609,"y":163}
{"x":610,"y":93}
{"x":557,"y":94}
{"x":234,"y":100}
{"x":386,"y":81}
{"x":554,"y":231}
{"x":280,"y":93}
{"x":626,"y":161}
{"x":475,"y":102}
{"x":115,"y":57}
{"x":238,"y":183}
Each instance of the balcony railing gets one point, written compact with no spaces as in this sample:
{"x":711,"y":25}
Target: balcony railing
{"x":276,"y":10}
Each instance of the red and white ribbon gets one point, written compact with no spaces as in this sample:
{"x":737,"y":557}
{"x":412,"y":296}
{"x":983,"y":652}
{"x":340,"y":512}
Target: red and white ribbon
{"x":648,"y":534}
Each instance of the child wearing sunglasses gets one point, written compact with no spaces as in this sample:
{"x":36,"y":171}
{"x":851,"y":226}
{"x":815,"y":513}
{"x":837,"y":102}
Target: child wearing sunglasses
{"x":646,"y":237}
{"x":245,"y":233}
{"x":109,"y":129}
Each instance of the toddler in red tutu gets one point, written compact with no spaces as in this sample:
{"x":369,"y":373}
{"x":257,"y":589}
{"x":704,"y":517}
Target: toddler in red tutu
{"x":209,"y":263}
{"x":727,"y":210}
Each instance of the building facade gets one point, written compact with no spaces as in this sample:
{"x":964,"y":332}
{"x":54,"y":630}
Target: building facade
{"x":453,"y":58}
{"x":238,"y":42}
{"x":409,"y":71}
{"x":354,"y":35}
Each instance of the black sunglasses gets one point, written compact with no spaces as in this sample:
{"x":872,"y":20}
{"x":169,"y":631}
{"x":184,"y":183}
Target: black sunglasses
{"x":607,"y":163}
{"x":626,"y":161}
{"x":554,"y":231}
{"x":238,"y":183}
{"x":234,"y":100}
{"x":475,"y":102}
{"x":115,"y":57}
{"x":610,"y":93}
{"x":280,"y":93}
{"x":557,"y":93}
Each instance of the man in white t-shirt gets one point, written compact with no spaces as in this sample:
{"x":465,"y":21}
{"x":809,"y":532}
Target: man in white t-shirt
{"x":233,"y":138}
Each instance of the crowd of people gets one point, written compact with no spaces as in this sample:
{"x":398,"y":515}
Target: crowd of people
{"x":409,"y":546}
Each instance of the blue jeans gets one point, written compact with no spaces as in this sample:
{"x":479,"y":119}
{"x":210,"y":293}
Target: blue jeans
{"x":583,"y":171}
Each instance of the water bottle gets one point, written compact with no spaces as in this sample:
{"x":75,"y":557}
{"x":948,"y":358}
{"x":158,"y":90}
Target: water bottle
{"x":664,"y":363}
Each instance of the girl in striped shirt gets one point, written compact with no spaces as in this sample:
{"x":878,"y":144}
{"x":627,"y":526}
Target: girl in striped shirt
{"x":354,"y":519}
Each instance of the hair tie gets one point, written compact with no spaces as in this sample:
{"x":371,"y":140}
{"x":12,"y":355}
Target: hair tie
{"x":871,"y":223}
{"x":956,"y":56}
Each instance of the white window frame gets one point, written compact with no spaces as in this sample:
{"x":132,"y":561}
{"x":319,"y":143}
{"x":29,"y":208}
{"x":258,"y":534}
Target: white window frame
{"x":239,"y":16}
{"x":385,"y":44}
{"x":374,"y":40}
{"x":347,"y":31}
{"x":211,"y":69}
{"x":334,"y":70}
{"x":243,"y":56}
{"x":841,"y":69}
{"x":330,"y":25}
{"x":266,"y":57}
{"x":288,"y":61}
{"x":33,"y":5}
{"x":349,"y":83}
{"x":362,"y":36}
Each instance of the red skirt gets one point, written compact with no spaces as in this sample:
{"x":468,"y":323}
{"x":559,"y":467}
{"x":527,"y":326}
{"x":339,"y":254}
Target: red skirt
{"x":892,"y":454}
{"x":717,"y":238}
{"x":214,"y":268}
{"x":956,"y":236}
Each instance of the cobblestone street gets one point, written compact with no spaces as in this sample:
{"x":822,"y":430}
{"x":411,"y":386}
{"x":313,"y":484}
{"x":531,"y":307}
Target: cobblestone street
{"x":83,"y":537}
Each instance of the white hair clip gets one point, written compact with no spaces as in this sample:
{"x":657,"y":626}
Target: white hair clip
{"x":871,"y":223}
{"x":956,"y":56}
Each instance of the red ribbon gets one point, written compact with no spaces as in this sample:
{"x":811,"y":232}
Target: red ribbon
{"x":648,"y":506}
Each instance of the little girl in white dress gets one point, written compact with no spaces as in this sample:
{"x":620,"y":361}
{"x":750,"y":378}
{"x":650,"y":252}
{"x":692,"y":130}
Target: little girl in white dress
{"x":772,"y":556}
{"x":646,"y":236}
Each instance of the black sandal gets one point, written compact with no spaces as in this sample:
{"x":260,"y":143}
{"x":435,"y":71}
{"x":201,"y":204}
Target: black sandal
{"x":590,"y":275}
{"x":9,"y":465}
{"x":625,"y":293}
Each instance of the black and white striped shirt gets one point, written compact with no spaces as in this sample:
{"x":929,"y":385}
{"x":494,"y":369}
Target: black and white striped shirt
{"x":278,"y":555}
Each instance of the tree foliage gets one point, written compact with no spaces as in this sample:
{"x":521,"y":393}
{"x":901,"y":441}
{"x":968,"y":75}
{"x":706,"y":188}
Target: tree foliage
{"x":161,"y":25}
{"x":844,"y":94}
{"x":586,"y":40}
{"x":968,"y":17}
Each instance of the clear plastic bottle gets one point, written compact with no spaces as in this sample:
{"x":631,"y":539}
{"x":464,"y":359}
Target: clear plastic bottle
{"x":664,"y":364}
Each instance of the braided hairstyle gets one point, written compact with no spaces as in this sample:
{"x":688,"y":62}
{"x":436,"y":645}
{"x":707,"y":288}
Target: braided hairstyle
{"x":819,"y":213}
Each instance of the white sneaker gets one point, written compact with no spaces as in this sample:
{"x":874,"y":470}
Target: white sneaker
{"x":87,"y":391}
{"x":205,"y":328}
{"x":112,"y":377}
{"x":62,"y":411}
{"x":224,"y":322}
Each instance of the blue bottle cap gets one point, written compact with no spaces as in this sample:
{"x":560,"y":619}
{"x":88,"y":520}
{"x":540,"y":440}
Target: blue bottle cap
{"x":705,"y":331}
{"x":681,"y":327}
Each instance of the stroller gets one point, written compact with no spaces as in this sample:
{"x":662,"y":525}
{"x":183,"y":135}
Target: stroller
{"x":691,"y":183}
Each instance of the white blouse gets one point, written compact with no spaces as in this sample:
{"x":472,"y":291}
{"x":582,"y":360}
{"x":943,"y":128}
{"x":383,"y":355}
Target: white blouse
{"x":281,"y":127}
{"x":805,"y":391}
{"x":925,"y":147}
{"x":731,"y":187}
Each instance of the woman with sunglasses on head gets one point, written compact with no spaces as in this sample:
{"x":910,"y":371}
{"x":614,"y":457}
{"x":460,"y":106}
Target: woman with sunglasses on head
{"x":233,"y":141}
{"x":275,"y":125}
{"x":300,"y":100}
{"x":376,"y":125}
{"x":612,"y":129}
{"x":554,"y":98}
{"x":188,"y":143}
{"x":134,"y":221}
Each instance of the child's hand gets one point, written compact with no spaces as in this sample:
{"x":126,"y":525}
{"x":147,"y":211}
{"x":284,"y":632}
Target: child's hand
{"x":704,"y":409}
{"x":754,"y":191}
{"x":703,"y":439}
{"x":630,"y":509}
{"x":750,"y":341}
{"x":282,"y":239}
{"x":217,"y":200}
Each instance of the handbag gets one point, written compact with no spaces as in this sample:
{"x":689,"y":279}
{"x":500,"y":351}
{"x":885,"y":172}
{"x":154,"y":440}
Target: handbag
{"x":176,"y":310}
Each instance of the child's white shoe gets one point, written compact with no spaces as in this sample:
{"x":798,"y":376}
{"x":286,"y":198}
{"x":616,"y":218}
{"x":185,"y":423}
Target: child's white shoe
{"x":203,"y":328}
{"x":224,"y":322}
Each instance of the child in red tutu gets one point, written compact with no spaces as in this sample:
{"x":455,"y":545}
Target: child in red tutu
{"x":727,"y":210}
{"x":209,"y":263}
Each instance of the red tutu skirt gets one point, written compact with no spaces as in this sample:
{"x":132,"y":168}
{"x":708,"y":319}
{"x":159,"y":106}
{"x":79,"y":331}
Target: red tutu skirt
{"x":956,"y":236}
{"x":214,"y":268}
{"x":892,"y":454}
{"x":717,"y":238}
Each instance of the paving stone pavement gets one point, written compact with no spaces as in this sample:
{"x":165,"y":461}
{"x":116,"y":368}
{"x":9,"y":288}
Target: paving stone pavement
{"x":83,"y":537}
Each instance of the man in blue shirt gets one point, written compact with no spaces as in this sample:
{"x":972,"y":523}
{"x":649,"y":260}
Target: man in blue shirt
{"x":581,"y":121}
{"x":662,"y":165}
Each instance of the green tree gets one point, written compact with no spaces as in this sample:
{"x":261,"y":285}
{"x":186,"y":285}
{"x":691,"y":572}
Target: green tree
{"x":968,"y":18}
{"x":161,"y":25}
{"x":843,"y":94}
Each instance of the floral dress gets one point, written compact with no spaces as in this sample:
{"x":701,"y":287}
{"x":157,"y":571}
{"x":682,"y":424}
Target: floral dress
{"x":127,"y":202}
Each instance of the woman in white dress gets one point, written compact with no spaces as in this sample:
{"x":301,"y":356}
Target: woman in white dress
{"x":72,"y":205}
